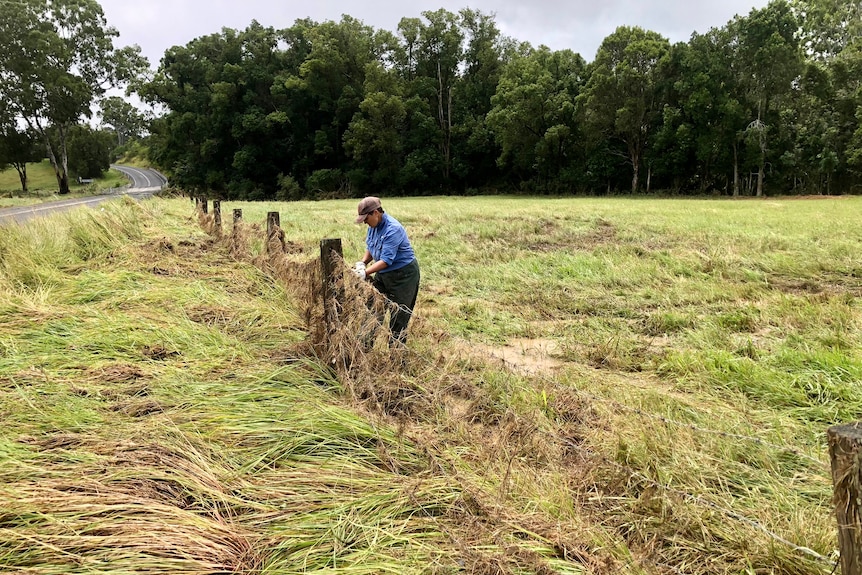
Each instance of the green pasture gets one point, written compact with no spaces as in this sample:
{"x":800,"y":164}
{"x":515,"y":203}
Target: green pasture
{"x":163,"y":411}
{"x":42,"y":185}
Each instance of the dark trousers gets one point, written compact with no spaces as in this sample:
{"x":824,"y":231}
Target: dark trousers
{"x":401,"y":287}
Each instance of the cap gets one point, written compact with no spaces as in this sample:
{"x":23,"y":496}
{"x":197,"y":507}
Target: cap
{"x":366,"y":207}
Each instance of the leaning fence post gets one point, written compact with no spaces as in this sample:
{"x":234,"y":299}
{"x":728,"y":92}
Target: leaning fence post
{"x":217,"y":213}
{"x":237,"y":216}
{"x":330,"y":254}
{"x":204,"y":203}
{"x":845,"y":454}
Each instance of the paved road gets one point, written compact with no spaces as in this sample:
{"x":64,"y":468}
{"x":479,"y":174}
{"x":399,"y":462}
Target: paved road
{"x":142,"y":184}
{"x":142,"y":178}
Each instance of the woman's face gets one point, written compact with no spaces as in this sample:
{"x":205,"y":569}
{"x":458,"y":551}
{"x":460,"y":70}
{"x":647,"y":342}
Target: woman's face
{"x":373,"y":219}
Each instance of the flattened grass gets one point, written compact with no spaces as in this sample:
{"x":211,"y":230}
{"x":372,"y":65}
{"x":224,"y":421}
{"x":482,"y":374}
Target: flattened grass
{"x":156,"y":417}
{"x":685,"y":325}
{"x":164,"y":410}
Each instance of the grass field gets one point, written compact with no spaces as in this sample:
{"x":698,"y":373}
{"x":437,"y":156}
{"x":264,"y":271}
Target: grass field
{"x":42,"y":186}
{"x":591,"y":386}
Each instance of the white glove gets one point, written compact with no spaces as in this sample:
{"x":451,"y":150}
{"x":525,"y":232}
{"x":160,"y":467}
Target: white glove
{"x":359,"y":270}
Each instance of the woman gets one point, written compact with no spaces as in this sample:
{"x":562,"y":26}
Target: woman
{"x":395,"y":269}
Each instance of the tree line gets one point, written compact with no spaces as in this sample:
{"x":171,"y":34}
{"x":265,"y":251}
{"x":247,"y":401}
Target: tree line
{"x":769,"y":103}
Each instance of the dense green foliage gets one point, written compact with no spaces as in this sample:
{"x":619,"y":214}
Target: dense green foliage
{"x":767,"y":104}
{"x":91,"y":151}
{"x":18,"y":147}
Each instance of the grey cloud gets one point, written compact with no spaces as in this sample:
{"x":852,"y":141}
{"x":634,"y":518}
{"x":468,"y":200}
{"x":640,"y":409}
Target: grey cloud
{"x":579,"y":25}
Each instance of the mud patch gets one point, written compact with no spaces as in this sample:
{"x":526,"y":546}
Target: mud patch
{"x":531,"y":356}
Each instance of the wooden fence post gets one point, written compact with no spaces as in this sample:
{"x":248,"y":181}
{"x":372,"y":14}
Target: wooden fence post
{"x":845,"y":454}
{"x":204,"y":203}
{"x":273,"y":222}
{"x":217,"y":213}
{"x":330,"y":254}
{"x":237,"y":216}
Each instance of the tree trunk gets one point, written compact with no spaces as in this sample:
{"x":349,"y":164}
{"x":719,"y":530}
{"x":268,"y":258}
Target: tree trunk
{"x":64,"y":159}
{"x":635,"y":157}
{"x":762,"y":142}
{"x":761,"y":168}
{"x":22,"y":175}
{"x":445,"y":119}
{"x":61,"y":168}
{"x":760,"y":181}
{"x":735,"y":170}
{"x":52,"y":157}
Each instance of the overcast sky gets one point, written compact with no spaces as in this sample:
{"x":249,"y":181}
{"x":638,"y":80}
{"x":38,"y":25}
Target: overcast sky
{"x":580,"y":25}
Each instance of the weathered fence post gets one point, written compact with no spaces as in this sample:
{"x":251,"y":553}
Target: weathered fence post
{"x":217,"y":213}
{"x":273,"y":222}
{"x":237,"y":216}
{"x":845,"y":453}
{"x":330,"y":254}
{"x":204,"y":203}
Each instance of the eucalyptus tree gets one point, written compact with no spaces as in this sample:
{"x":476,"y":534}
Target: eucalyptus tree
{"x":192,"y":140}
{"x":374,"y":138}
{"x":331,"y":84}
{"x":828,"y":26}
{"x":832,"y":31}
{"x":434,"y":51}
{"x":847,"y":74}
{"x":620,"y":100}
{"x":486,"y":51}
{"x":226,"y":128}
{"x":127,"y":121}
{"x":767,"y":62}
{"x":56,"y":58}
{"x":533,"y":116}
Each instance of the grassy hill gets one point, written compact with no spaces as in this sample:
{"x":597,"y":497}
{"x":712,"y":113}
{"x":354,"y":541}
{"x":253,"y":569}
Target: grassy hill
{"x":590,"y":386}
{"x":42,"y":185}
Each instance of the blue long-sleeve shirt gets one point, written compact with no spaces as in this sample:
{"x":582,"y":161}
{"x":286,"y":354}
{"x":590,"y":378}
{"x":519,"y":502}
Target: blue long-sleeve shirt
{"x":388,"y":242}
